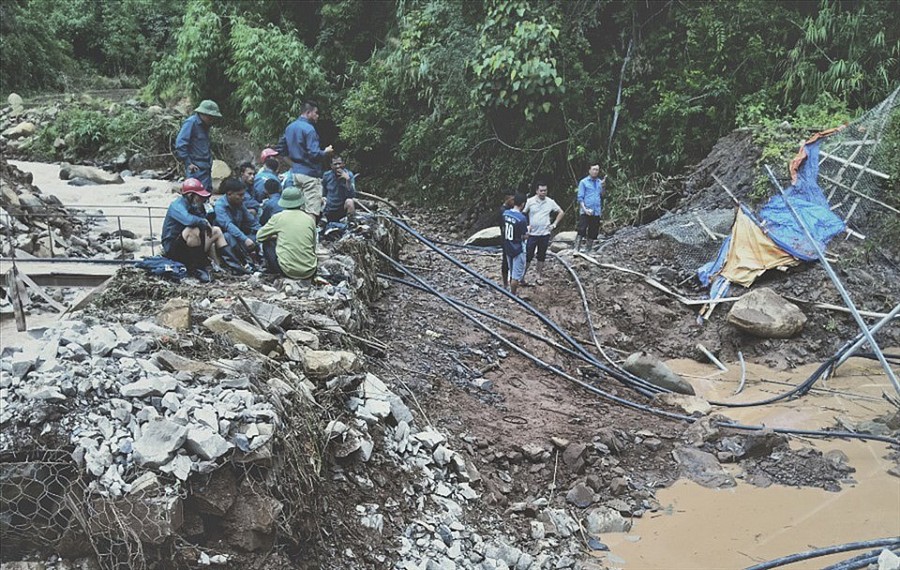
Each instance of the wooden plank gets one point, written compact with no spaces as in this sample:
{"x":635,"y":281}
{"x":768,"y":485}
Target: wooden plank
{"x":40,"y":291}
{"x":16,"y":290}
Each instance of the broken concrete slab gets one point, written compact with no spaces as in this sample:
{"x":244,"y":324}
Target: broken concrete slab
{"x":242,"y":332}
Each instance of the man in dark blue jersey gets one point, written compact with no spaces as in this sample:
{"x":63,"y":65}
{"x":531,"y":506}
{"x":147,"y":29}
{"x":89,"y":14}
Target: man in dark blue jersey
{"x":515,"y":226}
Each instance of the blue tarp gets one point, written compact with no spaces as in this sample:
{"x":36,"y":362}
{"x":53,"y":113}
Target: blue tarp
{"x":777,"y":222}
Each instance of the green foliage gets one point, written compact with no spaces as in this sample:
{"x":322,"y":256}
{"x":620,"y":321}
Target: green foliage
{"x":274,"y":72}
{"x":516,"y":66}
{"x":99,"y":130}
{"x":849,"y":49}
{"x":30,"y":58}
{"x":193,"y":69}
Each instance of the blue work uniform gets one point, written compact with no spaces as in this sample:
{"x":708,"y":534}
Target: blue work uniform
{"x":180,"y":215}
{"x":236,"y":222}
{"x":259,"y":183}
{"x":303,"y":148}
{"x":192,"y":147}
{"x":336,"y":191}
{"x":269,"y":208}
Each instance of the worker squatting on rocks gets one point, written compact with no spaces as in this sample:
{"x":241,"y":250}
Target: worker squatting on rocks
{"x":302,"y":146}
{"x":289,"y":238}
{"x":192,"y":143}
{"x":539,"y":209}
{"x":515,"y":227}
{"x":590,"y":205}
{"x":238,"y":225}
{"x":187,"y":235}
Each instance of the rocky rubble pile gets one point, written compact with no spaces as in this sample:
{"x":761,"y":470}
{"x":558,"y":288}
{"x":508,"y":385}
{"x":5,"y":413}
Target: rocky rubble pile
{"x":32,"y":223}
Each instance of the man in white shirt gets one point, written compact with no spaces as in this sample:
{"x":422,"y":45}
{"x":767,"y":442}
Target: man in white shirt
{"x":539,"y":210}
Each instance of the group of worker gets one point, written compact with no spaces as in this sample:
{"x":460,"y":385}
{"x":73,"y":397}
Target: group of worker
{"x":262,"y":217}
{"x":527,"y":225}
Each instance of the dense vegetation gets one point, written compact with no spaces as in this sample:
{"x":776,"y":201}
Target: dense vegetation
{"x":462,"y":99}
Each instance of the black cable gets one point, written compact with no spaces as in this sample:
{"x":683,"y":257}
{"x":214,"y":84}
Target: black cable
{"x":627,"y":378}
{"x":858,"y":562}
{"x":836,"y":549}
{"x":641,"y":407}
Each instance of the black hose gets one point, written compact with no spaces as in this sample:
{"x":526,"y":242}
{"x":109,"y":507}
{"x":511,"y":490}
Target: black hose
{"x":593,"y":389}
{"x":622,"y":375}
{"x":857,"y":562}
{"x":850,"y":546}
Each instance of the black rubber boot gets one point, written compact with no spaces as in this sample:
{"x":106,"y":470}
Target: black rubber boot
{"x":197,"y":263}
{"x":230,"y":261}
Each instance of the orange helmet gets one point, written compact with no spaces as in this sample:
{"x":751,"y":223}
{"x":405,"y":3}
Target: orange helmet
{"x":266,"y":153}
{"x":194,"y":186}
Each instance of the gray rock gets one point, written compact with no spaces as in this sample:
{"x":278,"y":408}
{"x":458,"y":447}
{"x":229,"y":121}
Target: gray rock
{"x":573,"y":456}
{"x":149,"y":386}
{"x":97,"y":176}
{"x":687,"y":404}
{"x":702,"y":468}
{"x":207,"y":443}
{"x":580,"y":495}
{"x":250,"y":523}
{"x":243,"y":332}
{"x":217,"y":494}
{"x":160,"y":439}
{"x":327,"y":363}
{"x":175,"y":314}
{"x":657,"y":373}
{"x":271,"y":316}
{"x":486,"y":237}
{"x":766,"y":314}
{"x":603,"y":520}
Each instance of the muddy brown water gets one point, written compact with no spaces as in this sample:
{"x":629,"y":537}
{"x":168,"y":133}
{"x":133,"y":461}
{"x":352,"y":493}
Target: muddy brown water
{"x":737,"y":527}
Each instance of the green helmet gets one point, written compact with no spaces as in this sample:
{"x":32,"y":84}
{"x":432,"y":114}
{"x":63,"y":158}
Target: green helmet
{"x":208,"y":107}
{"x":292,"y":198}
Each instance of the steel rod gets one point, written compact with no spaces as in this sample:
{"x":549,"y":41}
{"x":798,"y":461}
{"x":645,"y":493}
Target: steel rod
{"x":858,"y":344}
{"x":837,"y":283}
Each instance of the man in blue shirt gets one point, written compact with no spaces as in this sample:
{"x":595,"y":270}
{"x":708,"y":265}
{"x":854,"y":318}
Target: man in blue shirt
{"x":252,"y":200}
{"x":302,"y":144}
{"x":590,"y":205}
{"x":269,"y":171}
{"x":192,"y":143}
{"x":515,"y":226}
{"x":238,"y":225}
{"x":271,"y":206}
{"x":187,"y":236}
{"x":338,"y":191}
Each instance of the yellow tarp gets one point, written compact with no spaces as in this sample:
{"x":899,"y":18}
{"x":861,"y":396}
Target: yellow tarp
{"x":751,"y":252}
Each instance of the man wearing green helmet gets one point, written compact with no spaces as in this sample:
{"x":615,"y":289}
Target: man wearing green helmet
{"x":289,"y":238}
{"x":192,"y":144}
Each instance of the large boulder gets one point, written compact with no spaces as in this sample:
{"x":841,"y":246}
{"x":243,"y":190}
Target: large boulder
{"x":655,"y":371}
{"x":486,"y":237}
{"x":19,"y":131}
{"x":96,"y":175}
{"x":250,"y":523}
{"x":220,"y":171}
{"x":159,"y":441}
{"x":764,"y":313}
{"x":243,"y":332}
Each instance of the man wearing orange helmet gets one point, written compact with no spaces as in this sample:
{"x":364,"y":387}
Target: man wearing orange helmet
{"x":187,"y":236}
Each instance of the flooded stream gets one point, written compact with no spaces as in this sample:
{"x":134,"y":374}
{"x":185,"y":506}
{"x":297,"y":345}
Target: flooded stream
{"x":744,"y":525}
